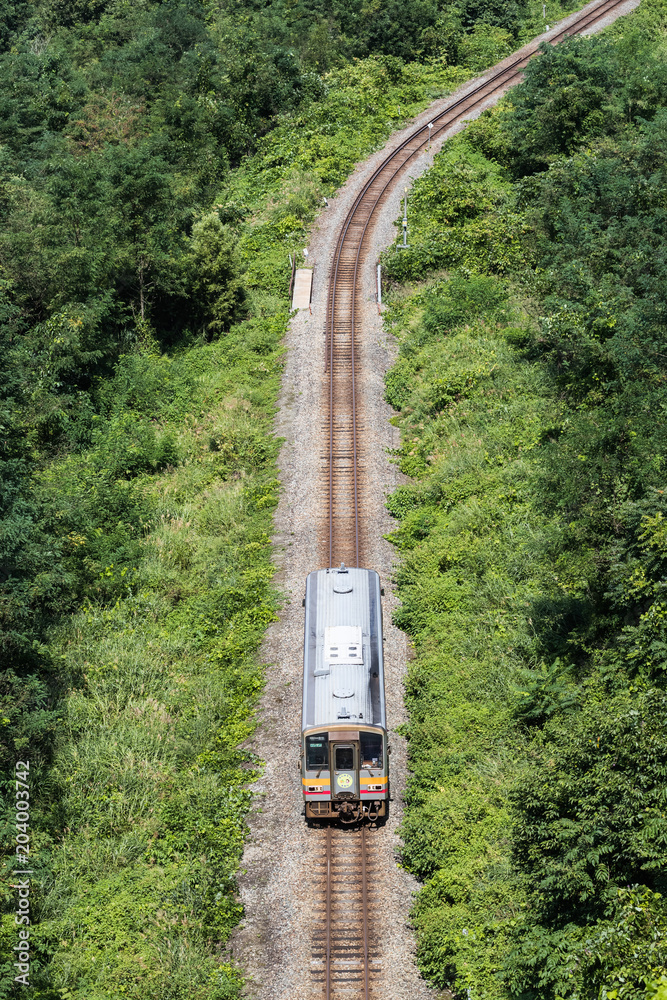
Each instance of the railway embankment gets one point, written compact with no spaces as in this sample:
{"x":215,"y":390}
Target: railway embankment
{"x":280,"y":887}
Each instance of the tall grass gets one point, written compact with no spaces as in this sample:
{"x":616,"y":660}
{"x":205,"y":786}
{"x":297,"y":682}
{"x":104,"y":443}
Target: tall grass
{"x":136,"y":892}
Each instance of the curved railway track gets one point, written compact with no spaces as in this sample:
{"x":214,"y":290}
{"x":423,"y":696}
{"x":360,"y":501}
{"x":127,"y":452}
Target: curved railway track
{"x":345,"y":956}
{"x":344,"y":462}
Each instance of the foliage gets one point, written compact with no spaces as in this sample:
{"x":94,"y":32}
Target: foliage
{"x":468,"y":530}
{"x":619,"y":957}
{"x":139,"y":824}
{"x":218,"y":292}
{"x":533,"y":536}
{"x":160,"y":161}
{"x":458,"y":216}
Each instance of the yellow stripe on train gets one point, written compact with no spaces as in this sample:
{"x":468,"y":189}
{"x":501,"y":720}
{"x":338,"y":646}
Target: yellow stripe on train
{"x":327,"y":781}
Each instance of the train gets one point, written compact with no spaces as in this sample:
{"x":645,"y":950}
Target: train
{"x":344,"y":761}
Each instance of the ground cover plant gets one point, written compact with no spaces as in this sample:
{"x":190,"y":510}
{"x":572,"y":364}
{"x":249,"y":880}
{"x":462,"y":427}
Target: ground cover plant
{"x":159,"y":164}
{"x":528,"y":387}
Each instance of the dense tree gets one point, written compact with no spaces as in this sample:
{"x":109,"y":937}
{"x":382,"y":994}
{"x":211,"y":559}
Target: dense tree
{"x":559,"y":194}
{"x":217,"y":289}
{"x":590,"y":816}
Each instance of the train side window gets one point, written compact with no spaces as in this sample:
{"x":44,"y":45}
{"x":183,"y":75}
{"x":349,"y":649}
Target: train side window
{"x":344,"y":758}
{"x":317,"y":751}
{"x":371,"y":749}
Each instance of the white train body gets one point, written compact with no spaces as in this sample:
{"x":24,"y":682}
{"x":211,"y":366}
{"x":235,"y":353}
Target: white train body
{"x":344,"y":752}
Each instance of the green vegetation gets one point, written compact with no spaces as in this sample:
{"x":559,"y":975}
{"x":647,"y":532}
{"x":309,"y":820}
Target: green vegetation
{"x":147,"y":690}
{"x":159,"y":161}
{"x":530,"y":388}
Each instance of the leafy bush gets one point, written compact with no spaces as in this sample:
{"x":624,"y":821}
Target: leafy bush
{"x":533,"y":538}
{"x":453,"y":219}
{"x":145,"y":784}
{"x":470,"y":574}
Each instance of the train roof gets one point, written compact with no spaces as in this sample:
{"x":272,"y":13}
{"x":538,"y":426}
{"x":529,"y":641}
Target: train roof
{"x":343,"y":673}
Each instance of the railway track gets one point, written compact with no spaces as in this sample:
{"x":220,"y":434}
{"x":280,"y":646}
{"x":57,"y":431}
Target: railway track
{"x":344,"y":461}
{"x":344,"y":962}
{"x":345,"y":948}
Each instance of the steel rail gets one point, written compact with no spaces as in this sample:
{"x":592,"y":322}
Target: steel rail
{"x":328,"y":917}
{"x":589,"y":18}
{"x":364,"y":910}
{"x":343,"y":955}
{"x":481,"y":91}
{"x":488,"y":86}
{"x":392,"y":165}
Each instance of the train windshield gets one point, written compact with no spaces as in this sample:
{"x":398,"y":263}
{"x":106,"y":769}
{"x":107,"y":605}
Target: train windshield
{"x":317,"y":751}
{"x":344,"y":758}
{"x":371,"y":749}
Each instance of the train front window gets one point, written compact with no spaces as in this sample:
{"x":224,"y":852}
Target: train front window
{"x":371,"y":749}
{"x":317,"y":751}
{"x":344,"y":758}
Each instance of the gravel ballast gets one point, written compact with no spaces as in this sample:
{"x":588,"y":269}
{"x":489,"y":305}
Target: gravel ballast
{"x":272,"y":945}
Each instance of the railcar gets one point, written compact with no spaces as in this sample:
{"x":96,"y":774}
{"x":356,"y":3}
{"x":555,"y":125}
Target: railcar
{"x":344,"y":760}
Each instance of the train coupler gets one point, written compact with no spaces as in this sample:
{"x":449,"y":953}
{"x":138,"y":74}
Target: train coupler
{"x":348,"y":814}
